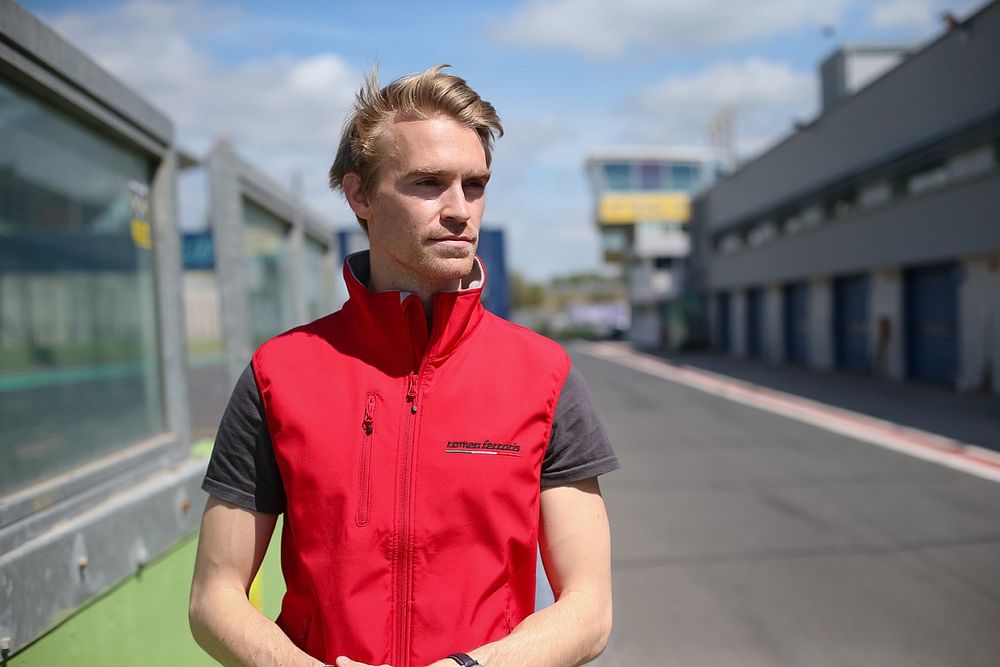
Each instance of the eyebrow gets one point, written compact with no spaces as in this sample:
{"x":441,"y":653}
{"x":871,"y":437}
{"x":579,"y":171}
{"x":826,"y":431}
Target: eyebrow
{"x":423,"y":173}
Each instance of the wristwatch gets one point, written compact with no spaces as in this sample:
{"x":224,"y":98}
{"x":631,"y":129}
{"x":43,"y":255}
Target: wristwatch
{"x":465,"y":660}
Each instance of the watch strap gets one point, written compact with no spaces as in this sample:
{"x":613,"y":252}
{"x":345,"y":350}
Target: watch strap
{"x":464,"y":659}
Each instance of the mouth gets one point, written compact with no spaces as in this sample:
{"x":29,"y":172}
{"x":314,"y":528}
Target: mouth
{"x":453,"y":240}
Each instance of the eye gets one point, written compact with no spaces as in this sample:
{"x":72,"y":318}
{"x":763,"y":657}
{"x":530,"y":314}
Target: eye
{"x":427,"y":182}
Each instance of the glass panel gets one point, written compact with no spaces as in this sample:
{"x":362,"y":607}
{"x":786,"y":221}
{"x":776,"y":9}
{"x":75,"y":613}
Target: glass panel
{"x":319,"y":281}
{"x":618,"y":176}
{"x":651,"y":177}
{"x":614,"y":240}
{"x":267,"y":278}
{"x":79,"y":373}
{"x":682,"y":176}
{"x":927,"y":179}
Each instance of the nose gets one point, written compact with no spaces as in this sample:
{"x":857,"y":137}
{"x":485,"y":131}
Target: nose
{"x":454,"y":206}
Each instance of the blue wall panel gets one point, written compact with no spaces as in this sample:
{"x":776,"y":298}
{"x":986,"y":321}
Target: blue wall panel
{"x":496,"y":298}
{"x":755,"y":323}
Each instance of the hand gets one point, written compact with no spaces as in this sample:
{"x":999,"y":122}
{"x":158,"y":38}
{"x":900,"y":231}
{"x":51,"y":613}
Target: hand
{"x":344,"y":661}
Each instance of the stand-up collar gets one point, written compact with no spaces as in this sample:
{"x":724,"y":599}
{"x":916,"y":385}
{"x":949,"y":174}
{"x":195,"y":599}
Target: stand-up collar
{"x":394,"y":323}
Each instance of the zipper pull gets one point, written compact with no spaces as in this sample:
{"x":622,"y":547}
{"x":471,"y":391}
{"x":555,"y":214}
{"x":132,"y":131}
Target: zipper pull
{"x":369,"y":421}
{"x":411,"y":391}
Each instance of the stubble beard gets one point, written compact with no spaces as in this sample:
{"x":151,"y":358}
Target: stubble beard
{"x":443,"y":264}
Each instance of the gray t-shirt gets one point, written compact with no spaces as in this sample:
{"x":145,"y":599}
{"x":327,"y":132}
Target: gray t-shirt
{"x":243,"y":470}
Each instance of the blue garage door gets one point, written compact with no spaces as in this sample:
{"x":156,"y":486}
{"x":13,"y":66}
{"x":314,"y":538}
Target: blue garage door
{"x":850,"y":323}
{"x":723,"y":320}
{"x":796,"y":316}
{"x":931,"y":316}
{"x":755,"y":322}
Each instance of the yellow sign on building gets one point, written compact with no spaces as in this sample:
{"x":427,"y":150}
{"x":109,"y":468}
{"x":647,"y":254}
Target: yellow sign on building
{"x":624,"y":208}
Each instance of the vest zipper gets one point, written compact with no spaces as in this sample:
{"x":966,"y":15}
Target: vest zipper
{"x":364,"y":474}
{"x":405,"y":556}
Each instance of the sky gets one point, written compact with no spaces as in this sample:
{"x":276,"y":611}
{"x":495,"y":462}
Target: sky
{"x":568,"y":77}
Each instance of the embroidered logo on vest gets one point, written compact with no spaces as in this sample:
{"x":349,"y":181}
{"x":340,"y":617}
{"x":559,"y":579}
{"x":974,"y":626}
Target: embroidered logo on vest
{"x":484,"y":447}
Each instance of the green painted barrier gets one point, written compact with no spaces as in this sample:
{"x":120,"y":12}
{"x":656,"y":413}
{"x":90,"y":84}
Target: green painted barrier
{"x":143,"y":620}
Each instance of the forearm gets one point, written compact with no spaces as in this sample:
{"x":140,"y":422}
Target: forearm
{"x":576,"y":550}
{"x":570,"y":632}
{"x":232,"y":631}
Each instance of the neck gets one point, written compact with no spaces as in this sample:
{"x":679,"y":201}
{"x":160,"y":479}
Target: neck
{"x":384,"y":277}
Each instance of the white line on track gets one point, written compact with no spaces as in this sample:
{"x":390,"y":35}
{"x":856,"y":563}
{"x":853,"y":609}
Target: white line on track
{"x":944,"y":451}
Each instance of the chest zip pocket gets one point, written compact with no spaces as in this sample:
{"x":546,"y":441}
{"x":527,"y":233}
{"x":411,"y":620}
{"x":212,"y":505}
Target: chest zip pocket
{"x":365,"y":467}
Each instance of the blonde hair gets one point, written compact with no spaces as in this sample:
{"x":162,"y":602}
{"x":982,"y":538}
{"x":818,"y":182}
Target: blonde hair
{"x":423,"y":95}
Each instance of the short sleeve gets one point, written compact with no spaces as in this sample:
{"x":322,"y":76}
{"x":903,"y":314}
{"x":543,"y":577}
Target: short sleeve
{"x":243,"y":470}
{"x":578,"y":447}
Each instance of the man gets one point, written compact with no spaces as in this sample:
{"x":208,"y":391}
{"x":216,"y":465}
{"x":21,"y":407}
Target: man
{"x":412,"y":440}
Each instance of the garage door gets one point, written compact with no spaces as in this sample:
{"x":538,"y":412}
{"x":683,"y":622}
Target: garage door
{"x":796,"y":321}
{"x":850,"y":323}
{"x":723,"y":320}
{"x":931,"y":317}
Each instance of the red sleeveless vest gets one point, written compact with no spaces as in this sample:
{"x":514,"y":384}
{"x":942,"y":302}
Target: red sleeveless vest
{"x":411,"y":464}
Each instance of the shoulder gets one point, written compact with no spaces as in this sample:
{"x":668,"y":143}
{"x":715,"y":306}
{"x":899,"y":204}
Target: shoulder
{"x":295,"y":343}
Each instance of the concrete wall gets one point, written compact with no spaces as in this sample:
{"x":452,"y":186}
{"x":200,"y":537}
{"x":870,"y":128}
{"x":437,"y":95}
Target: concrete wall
{"x":886,"y":340}
{"x":227,"y":229}
{"x":774,"y":330}
{"x":821,"y":323}
{"x":979,"y":325}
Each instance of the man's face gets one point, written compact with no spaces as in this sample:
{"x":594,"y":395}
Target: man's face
{"x":426,"y":209}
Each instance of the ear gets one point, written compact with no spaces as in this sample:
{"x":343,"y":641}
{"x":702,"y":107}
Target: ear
{"x":355,"y":195}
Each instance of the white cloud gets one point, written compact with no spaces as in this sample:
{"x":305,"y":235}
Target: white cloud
{"x":767,"y":97}
{"x":909,"y":14}
{"x":283,"y":113}
{"x":601,"y":28}
{"x":918,"y":17}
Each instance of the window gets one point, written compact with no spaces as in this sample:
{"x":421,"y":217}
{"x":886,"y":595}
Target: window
{"x":927,"y":179}
{"x":875,"y":194}
{"x":683,"y":176}
{"x":666,"y":263}
{"x":808,"y":217}
{"x":267,"y":274}
{"x":651,"y":176}
{"x":972,"y":162}
{"x":614,"y":240}
{"x":762,"y":233}
{"x":79,"y":371}
{"x":649,"y":231}
{"x":730,"y":243}
{"x":618,"y":176}
{"x":843,"y":205}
